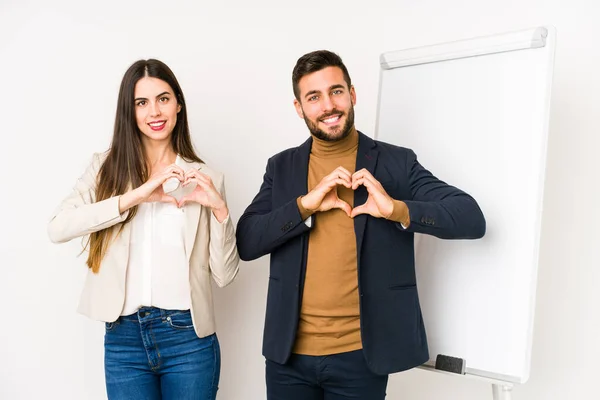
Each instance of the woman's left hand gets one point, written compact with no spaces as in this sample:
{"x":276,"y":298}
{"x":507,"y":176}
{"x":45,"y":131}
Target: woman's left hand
{"x":204,"y":193}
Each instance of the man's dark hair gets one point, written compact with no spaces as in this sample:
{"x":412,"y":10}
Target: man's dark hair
{"x":316,"y":61}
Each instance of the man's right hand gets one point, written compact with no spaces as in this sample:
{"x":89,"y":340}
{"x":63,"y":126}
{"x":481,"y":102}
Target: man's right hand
{"x":324,"y":196}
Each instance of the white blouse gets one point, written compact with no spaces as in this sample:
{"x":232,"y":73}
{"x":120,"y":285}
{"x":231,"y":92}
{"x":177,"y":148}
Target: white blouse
{"x":158,"y":271}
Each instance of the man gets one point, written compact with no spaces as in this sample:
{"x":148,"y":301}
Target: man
{"x":338,"y":215}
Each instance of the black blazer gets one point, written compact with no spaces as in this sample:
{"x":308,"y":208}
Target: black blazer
{"x":392,"y":331}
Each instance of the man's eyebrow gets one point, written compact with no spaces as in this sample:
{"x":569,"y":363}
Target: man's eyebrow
{"x":310,"y":93}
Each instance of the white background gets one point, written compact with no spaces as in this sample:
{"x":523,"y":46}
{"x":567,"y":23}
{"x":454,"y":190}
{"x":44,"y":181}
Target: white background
{"x":61,"y":63}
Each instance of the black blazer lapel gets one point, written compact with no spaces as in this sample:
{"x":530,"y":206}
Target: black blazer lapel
{"x":299,"y":169}
{"x":299,"y":177}
{"x":366,"y":157}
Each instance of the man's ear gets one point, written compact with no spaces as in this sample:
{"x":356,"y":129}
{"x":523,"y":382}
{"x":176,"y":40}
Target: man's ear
{"x":298,"y":108}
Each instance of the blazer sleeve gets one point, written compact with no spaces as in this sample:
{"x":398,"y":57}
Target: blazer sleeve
{"x":223,"y":254}
{"x":262,"y":229}
{"x":439,"y":209}
{"x":79,"y":214}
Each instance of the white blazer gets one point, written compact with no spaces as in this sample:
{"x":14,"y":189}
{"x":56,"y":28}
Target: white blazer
{"x":210,"y":246}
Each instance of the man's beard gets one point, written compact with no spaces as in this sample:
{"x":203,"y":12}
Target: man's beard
{"x":320,"y":134}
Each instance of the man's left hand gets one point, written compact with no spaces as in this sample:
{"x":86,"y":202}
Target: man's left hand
{"x":379,"y":204}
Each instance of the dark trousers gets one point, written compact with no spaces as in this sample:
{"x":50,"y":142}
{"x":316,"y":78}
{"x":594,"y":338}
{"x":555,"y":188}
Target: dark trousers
{"x":333,"y":377}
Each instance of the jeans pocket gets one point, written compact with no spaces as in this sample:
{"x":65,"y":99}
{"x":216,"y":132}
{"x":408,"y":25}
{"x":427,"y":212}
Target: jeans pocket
{"x":180,"y":321}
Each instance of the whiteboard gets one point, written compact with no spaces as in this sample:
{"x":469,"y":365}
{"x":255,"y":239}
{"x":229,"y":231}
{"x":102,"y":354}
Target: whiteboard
{"x":476,"y":114}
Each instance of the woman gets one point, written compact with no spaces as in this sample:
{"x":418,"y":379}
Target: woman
{"x":158,"y":228}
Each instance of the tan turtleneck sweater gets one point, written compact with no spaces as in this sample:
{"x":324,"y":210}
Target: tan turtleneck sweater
{"x":330,"y":314}
{"x":329,"y":317}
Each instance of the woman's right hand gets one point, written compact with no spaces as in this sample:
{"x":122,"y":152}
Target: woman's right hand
{"x":152,"y":189}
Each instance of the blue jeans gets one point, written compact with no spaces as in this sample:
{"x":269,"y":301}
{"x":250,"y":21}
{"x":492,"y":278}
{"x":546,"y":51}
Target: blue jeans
{"x":155,"y":354}
{"x":333,"y":377}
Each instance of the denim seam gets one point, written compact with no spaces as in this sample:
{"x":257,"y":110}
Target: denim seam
{"x":148,"y":349}
{"x":213,"y":393}
{"x":155,"y":345}
{"x":182,"y":327}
